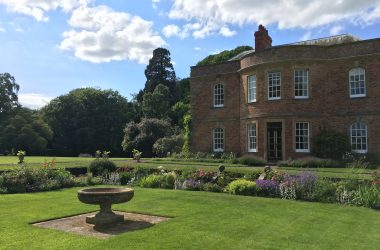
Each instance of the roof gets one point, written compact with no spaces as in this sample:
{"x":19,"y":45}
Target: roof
{"x":325,"y":41}
{"x":328,"y":41}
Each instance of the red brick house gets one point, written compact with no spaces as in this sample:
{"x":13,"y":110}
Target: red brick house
{"x":271,"y":101}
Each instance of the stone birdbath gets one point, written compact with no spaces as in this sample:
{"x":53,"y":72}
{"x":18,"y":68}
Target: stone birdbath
{"x":105,"y":197}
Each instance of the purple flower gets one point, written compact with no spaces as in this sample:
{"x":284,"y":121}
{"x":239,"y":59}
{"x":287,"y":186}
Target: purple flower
{"x":306,"y":180}
{"x":267,"y":187}
{"x":191,"y":184}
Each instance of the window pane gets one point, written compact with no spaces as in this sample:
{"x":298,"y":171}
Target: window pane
{"x":218,"y":135}
{"x":274,"y":85}
{"x":302,"y":136}
{"x":251,"y":88}
{"x":251,"y":132}
{"x":219,"y":95}
{"x":301,"y":82}
{"x":357,"y":82}
{"x":359,"y":137}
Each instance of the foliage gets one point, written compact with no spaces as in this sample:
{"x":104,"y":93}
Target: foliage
{"x":152,"y":181}
{"x":34,"y":180}
{"x":306,"y":184}
{"x":212,"y":187}
{"x":143,"y":135}
{"x":254,"y":175}
{"x":325,"y":190}
{"x":330,"y":144}
{"x":102,"y":166}
{"x":183,"y":90}
{"x":87,"y":119}
{"x":191,"y":184}
{"x":167,"y":145}
{"x":311,"y":162}
{"x":251,"y":161}
{"x":178,"y":113}
{"x":186,"y":150}
{"x":223,"y":56}
{"x":242,"y":187}
{"x":368,"y":196}
{"x":25,"y":129}
{"x":288,"y":188}
{"x":126,"y":178}
{"x":8,"y":94}
{"x":156,"y":104}
{"x":160,"y":70}
{"x":269,"y":188}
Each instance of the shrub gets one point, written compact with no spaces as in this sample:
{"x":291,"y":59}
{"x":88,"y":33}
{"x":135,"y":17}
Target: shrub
{"x":151,"y":181}
{"x":126,"y":177}
{"x":269,"y":188}
{"x":306,"y":183}
{"x":311,"y":162}
{"x":212,"y":187}
{"x":288,"y":188}
{"x":330,"y":144}
{"x":251,"y":161}
{"x":325,"y":190}
{"x":367,"y":196}
{"x":254,"y":175}
{"x":191,"y":184}
{"x":169,"y":180}
{"x":165,"y":145}
{"x":102,"y":166}
{"x":32,"y":180}
{"x":242,"y":187}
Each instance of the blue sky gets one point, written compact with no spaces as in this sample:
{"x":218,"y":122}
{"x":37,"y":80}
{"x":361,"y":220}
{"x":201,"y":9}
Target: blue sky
{"x":54,"y":46}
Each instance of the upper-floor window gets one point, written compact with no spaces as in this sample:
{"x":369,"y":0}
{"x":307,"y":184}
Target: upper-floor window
{"x":301,"y":83}
{"x":359,"y":137}
{"x":219,"y":95}
{"x":302,"y":137}
{"x":274,"y":85}
{"x":218,"y":140}
{"x":252,"y":88}
{"x":357,"y":82}
{"x":252,"y":137}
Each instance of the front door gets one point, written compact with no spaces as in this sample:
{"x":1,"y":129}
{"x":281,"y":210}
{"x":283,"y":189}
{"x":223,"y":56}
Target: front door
{"x":274,"y":141}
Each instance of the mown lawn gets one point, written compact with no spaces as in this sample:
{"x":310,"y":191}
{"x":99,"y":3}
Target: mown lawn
{"x":10,"y":162}
{"x":200,"y":221}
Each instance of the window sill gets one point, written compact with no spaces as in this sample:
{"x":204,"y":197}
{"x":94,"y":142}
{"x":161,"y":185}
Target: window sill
{"x":358,"y":96}
{"x":252,"y":151}
{"x":274,"y":99}
{"x":217,"y":107}
{"x":302,"y":151}
{"x":218,"y":150}
{"x":301,"y":98}
{"x":360,"y":151}
{"x":254,"y":101}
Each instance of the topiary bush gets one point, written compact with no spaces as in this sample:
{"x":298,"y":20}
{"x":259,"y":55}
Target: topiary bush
{"x":242,"y":187}
{"x":126,"y":177}
{"x":330,"y":144}
{"x":101,"y":167}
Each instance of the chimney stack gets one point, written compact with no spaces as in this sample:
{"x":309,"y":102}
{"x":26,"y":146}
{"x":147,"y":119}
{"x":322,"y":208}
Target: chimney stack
{"x":262,"y":39}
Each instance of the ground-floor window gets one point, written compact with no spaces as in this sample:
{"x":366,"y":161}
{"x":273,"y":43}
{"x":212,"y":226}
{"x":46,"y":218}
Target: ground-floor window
{"x":359,"y":137}
{"x":302,"y":137}
{"x":252,"y":137}
{"x":218,"y":135}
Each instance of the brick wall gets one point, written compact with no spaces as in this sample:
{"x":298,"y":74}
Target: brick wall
{"x":329,"y":103}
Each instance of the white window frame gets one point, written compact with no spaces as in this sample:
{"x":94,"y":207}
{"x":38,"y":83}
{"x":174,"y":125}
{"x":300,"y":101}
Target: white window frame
{"x":304,"y":82}
{"x":218,"y":93}
{"x":252,"y":136}
{"x":359,"y":127}
{"x":298,"y":135}
{"x":251,"y":88}
{"x":274,"y":81}
{"x":218,"y":134}
{"x":354,"y":84}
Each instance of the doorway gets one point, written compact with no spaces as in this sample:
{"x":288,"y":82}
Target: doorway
{"x":274,"y":131}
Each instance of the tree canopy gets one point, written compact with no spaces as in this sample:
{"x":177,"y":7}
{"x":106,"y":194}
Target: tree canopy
{"x":160,"y":70}
{"x":8,"y":94}
{"x":87,"y":119}
{"x":223,"y":56}
{"x":156,"y":104}
{"x":25,"y":130}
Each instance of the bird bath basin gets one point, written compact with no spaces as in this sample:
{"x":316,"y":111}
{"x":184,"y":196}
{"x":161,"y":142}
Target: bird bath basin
{"x":105,"y":197}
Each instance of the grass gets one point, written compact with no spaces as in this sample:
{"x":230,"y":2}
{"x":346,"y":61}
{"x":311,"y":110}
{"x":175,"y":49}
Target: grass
{"x":200,"y":221}
{"x":10,"y":162}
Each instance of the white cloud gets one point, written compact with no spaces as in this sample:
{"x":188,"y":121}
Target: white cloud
{"x":19,"y":30}
{"x":171,"y":30}
{"x":34,"y":101}
{"x":2,"y":29}
{"x":197,"y":48}
{"x":306,"y":36}
{"x":213,"y":15}
{"x":225,"y":31}
{"x":335,"y":30}
{"x":38,"y":8}
{"x":101,"y":34}
{"x":155,"y":3}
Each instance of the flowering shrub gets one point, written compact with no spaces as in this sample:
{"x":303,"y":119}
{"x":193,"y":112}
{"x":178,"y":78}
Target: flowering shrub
{"x":288,"y":188}
{"x":376,"y":179}
{"x":191,"y":184}
{"x":269,"y":188}
{"x":306,"y":184}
